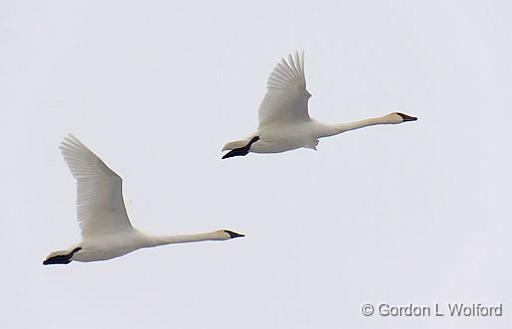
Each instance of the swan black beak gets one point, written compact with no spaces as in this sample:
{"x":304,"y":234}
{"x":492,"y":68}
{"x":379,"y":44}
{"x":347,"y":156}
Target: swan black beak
{"x":406,"y":117}
{"x":233,"y":235}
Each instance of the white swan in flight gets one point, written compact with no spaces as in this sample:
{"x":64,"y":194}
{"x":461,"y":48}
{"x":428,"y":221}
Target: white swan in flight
{"x":284,"y":122}
{"x":106,"y":229}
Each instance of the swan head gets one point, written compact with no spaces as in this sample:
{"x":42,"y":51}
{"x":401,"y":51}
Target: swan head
{"x":231,"y":235}
{"x":397,"y":117}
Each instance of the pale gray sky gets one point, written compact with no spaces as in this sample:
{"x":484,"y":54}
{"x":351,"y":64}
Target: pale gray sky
{"x":413,"y":213}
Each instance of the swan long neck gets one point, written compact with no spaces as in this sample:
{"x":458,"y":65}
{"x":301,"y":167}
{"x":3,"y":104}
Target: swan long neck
{"x":334,"y":129}
{"x":160,"y":240}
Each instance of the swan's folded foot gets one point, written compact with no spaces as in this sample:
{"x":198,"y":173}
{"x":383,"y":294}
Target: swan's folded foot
{"x":65,"y":259}
{"x":241,"y":151}
{"x":236,"y":152}
{"x":60,"y":259}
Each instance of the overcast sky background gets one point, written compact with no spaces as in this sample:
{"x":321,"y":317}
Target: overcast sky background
{"x":413,"y":213}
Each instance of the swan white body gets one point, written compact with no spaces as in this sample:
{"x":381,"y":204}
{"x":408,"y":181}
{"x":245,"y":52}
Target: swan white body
{"x":104,"y":223}
{"x":284,"y":122}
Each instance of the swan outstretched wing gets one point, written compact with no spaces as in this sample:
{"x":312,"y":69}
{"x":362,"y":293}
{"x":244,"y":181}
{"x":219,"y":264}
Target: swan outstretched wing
{"x":100,"y":205}
{"x":286,"y":99}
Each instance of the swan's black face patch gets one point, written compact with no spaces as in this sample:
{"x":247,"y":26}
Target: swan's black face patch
{"x":61,"y":259}
{"x":233,"y":235}
{"x":406,"y":117}
{"x":241,"y":151}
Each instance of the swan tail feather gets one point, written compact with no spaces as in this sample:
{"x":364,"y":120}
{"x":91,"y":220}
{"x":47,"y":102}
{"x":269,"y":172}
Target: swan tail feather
{"x":234,"y":145}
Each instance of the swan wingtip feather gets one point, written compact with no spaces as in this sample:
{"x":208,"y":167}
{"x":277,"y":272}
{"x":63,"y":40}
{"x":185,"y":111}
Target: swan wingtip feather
{"x":288,"y":72}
